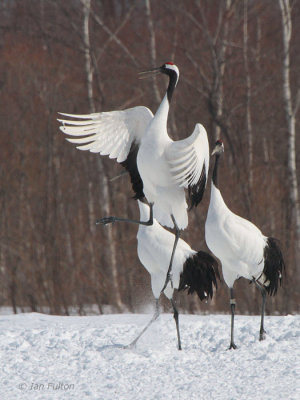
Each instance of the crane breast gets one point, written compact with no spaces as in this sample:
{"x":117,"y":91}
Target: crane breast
{"x":231,"y":237}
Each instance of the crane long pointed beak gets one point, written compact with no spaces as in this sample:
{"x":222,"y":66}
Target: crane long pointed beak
{"x":148,"y":73}
{"x":118,"y":176}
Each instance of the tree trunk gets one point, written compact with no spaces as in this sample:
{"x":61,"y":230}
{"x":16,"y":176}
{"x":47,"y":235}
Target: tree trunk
{"x":248,"y":98}
{"x":104,"y":184}
{"x":87,"y":53}
{"x":220,"y":64}
{"x":152,"y":49}
{"x":294,"y":215}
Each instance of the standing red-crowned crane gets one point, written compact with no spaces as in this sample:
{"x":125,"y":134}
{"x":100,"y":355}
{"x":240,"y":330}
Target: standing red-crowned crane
{"x":160,"y":168}
{"x":241,"y":247}
{"x":193,"y":270}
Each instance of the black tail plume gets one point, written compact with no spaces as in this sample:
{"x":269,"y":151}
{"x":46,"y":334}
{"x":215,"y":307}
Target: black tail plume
{"x":199,"y":275}
{"x":274,"y":265}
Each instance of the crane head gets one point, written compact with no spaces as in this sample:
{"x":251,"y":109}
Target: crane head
{"x":168,"y":68}
{"x":219,"y":148}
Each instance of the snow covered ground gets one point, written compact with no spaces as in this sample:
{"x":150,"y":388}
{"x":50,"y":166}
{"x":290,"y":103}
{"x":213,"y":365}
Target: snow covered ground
{"x":54,"y":357}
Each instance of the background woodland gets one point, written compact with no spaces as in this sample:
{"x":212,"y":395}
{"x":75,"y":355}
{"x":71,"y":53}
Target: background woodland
{"x":239,"y":62}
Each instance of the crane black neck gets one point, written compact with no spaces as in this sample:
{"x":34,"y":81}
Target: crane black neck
{"x":215,"y":171}
{"x":172,"y":83}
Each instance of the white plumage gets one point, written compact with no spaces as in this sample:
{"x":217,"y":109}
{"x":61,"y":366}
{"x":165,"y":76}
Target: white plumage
{"x":154,"y":249}
{"x":241,"y":247}
{"x":108,"y":133}
{"x":238,"y":243}
{"x":192,"y":270}
{"x":160,"y":168}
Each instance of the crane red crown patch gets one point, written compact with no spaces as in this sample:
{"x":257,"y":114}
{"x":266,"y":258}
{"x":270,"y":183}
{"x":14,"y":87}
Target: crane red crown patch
{"x":170,"y":63}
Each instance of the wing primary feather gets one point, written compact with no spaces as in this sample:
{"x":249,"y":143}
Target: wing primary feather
{"x":76,"y":123}
{"x":114,"y":133}
{"x":73,"y":132}
{"x":185,"y":164}
{"x":196,"y":191}
{"x":80,"y":116}
{"x":131,"y":166}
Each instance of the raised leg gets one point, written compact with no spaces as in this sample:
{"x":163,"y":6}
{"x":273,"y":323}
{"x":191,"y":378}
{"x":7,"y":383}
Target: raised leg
{"x":169,"y":273}
{"x":111,"y":220}
{"x":154,"y":318}
{"x":175,"y":314}
{"x":262,"y":332}
{"x":232,"y":306}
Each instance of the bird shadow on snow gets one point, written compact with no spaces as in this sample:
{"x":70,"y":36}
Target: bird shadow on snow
{"x":111,"y":346}
{"x":123,"y":347}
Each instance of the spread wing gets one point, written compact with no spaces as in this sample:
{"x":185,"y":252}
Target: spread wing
{"x":108,"y":133}
{"x":189,"y":163}
{"x":116,"y":134}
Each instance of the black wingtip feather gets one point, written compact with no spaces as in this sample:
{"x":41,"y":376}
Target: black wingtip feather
{"x":274,"y":265}
{"x":196,"y":192}
{"x":131,"y":166}
{"x":200,"y":273}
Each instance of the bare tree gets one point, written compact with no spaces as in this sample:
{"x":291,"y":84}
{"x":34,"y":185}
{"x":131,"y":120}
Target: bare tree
{"x":290,"y":114}
{"x":59,"y":56}
{"x":217,"y":41}
{"x":87,"y":52}
{"x":218,"y":53}
{"x":152,"y":49}
{"x":248,"y":96}
{"x":112,"y":36}
{"x":104,"y":184}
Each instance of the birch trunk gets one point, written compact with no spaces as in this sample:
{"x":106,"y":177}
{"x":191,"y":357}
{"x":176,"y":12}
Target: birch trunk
{"x":218,"y":44}
{"x":152,"y":49}
{"x":290,"y":112}
{"x":220,"y":72}
{"x":104,"y":184}
{"x":87,"y":53}
{"x":248,"y":118}
{"x":248,"y":97}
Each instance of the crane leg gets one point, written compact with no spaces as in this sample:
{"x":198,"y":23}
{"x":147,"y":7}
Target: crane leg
{"x":262,"y":332}
{"x":169,"y":273}
{"x":232,"y":306}
{"x":154,"y":318}
{"x":175,"y":314}
{"x":111,"y":220}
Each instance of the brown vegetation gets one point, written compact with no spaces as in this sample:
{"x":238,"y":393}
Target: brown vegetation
{"x":230,"y":55}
